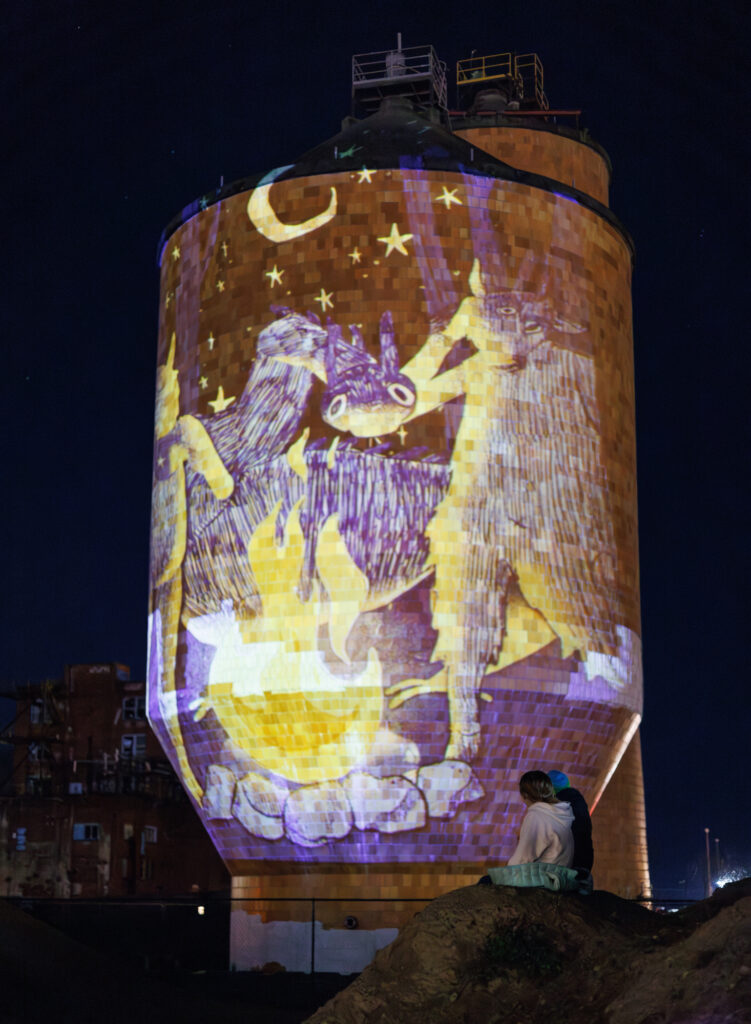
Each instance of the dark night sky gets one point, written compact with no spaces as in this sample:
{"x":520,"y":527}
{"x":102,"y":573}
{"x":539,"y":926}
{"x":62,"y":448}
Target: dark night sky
{"x":116,"y":115}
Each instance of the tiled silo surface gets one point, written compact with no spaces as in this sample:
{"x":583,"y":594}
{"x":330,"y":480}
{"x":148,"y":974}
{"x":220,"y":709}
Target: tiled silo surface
{"x":619,"y":827}
{"x":543,"y":152}
{"x":217,"y":293}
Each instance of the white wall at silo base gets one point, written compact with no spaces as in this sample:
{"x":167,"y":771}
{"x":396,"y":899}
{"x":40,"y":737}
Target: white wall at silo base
{"x":254,"y":943}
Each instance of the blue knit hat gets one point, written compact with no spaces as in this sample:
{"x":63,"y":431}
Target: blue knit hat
{"x":559,"y":780}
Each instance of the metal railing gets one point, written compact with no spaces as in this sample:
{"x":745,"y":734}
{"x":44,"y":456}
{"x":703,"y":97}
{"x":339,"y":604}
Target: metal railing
{"x":416,"y":67}
{"x":192,"y":932}
{"x":524,"y":71}
{"x":186,"y":932}
{"x":529,"y":69}
{"x":480,"y":69}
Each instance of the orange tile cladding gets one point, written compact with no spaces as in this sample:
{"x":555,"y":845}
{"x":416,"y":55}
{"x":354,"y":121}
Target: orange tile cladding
{"x":553,"y":156}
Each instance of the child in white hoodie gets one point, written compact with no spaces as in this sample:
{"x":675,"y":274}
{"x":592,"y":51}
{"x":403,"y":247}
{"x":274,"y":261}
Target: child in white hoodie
{"x":546,"y":828}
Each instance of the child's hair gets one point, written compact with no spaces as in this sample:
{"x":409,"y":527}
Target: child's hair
{"x":537,"y":787}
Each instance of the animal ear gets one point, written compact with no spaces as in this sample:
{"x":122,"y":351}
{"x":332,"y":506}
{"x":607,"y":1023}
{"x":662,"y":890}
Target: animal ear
{"x":335,"y":329}
{"x":476,"y":280}
{"x":169,"y":365}
{"x":333,"y":340}
{"x":357,"y":339}
{"x":389,"y":353}
{"x":313,"y":317}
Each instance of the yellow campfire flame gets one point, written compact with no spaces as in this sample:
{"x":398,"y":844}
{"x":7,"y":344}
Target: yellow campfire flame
{"x":284,"y":706}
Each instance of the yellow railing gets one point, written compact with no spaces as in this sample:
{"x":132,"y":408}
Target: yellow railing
{"x":529,"y":69}
{"x":479,"y":69}
{"x":525,"y":70}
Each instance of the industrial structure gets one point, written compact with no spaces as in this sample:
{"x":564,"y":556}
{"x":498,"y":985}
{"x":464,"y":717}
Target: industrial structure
{"x":394,"y":552}
{"x":91,"y":807}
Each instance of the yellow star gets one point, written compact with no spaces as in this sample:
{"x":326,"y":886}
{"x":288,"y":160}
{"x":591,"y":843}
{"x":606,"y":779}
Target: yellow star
{"x":220,"y":286}
{"x":176,"y":253}
{"x":224,"y":248}
{"x":402,"y":434}
{"x":365,"y":175}
{"x":203,"y":382}
{"x":448,"y":197}
{"x":167,"y":300}
{"x":395,"y":241}
{"x":355,"y":255}
{"x":275,"y":276}
{"x":211,"y":339}
{"x":220,"y":403}
{"x":325,"y":299}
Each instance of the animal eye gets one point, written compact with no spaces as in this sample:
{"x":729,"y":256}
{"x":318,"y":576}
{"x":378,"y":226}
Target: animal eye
{"x":508,"y":310}
{"x":401,"y":394}
{"x":531,"y":327}
{"x":337,"y":407}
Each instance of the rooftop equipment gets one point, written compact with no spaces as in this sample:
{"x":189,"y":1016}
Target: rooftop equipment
{"x":413,"y":72}
{"x":502,"y":81}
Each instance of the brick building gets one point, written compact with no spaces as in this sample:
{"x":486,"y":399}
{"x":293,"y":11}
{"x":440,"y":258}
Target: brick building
{"x":92,"y":807}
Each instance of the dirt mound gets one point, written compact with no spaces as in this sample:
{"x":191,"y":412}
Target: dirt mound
{"x":487,"y":955}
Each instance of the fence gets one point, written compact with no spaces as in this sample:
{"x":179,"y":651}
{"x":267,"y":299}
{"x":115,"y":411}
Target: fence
{"x":190,"y":934}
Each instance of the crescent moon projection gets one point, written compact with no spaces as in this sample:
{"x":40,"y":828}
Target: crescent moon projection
{"x":266,"y":222}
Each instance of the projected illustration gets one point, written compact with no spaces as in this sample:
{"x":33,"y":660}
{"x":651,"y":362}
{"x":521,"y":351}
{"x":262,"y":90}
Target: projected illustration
{"x":394,"y":522}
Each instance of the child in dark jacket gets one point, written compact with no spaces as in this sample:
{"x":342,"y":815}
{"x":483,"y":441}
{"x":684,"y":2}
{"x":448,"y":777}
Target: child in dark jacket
{"x":582,"y":827}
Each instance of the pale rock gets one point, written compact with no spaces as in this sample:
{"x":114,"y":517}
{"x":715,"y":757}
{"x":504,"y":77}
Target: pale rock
{"x":315,"y":814}
{"x":258,"y":806}
{"x":266,"y":796}
{"x":220,"y":789}
{"x":411,"y":812}
{"x":390,"y":754}
{"x":389,"y":805}
{"x":446,"y":785}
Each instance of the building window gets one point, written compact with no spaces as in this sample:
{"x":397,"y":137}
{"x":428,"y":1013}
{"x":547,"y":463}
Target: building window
{"x":133,"y":745}
{"x":86,"y":831}
{"x":149,"y":833}
{"x":134,"y":708}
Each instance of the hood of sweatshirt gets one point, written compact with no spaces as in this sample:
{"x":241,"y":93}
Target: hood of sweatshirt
{"x":560,"y":813}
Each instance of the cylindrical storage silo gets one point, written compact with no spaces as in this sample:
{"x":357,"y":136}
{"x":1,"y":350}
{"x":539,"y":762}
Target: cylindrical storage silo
{"x":394,"y":549}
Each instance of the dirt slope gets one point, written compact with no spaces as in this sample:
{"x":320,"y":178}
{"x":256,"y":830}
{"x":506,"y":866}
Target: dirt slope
{"x":487,"y":955}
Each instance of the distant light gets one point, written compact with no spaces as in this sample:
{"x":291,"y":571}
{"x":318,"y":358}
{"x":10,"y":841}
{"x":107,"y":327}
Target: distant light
{"x":730,"y":876}
{"x":201,"y":911}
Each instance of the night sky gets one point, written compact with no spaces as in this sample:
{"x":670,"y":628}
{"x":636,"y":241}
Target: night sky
{"x":115,"y":116}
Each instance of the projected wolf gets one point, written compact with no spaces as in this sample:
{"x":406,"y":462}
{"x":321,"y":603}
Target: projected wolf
{"x":526,"y":501}
{"x":525,"y":510}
